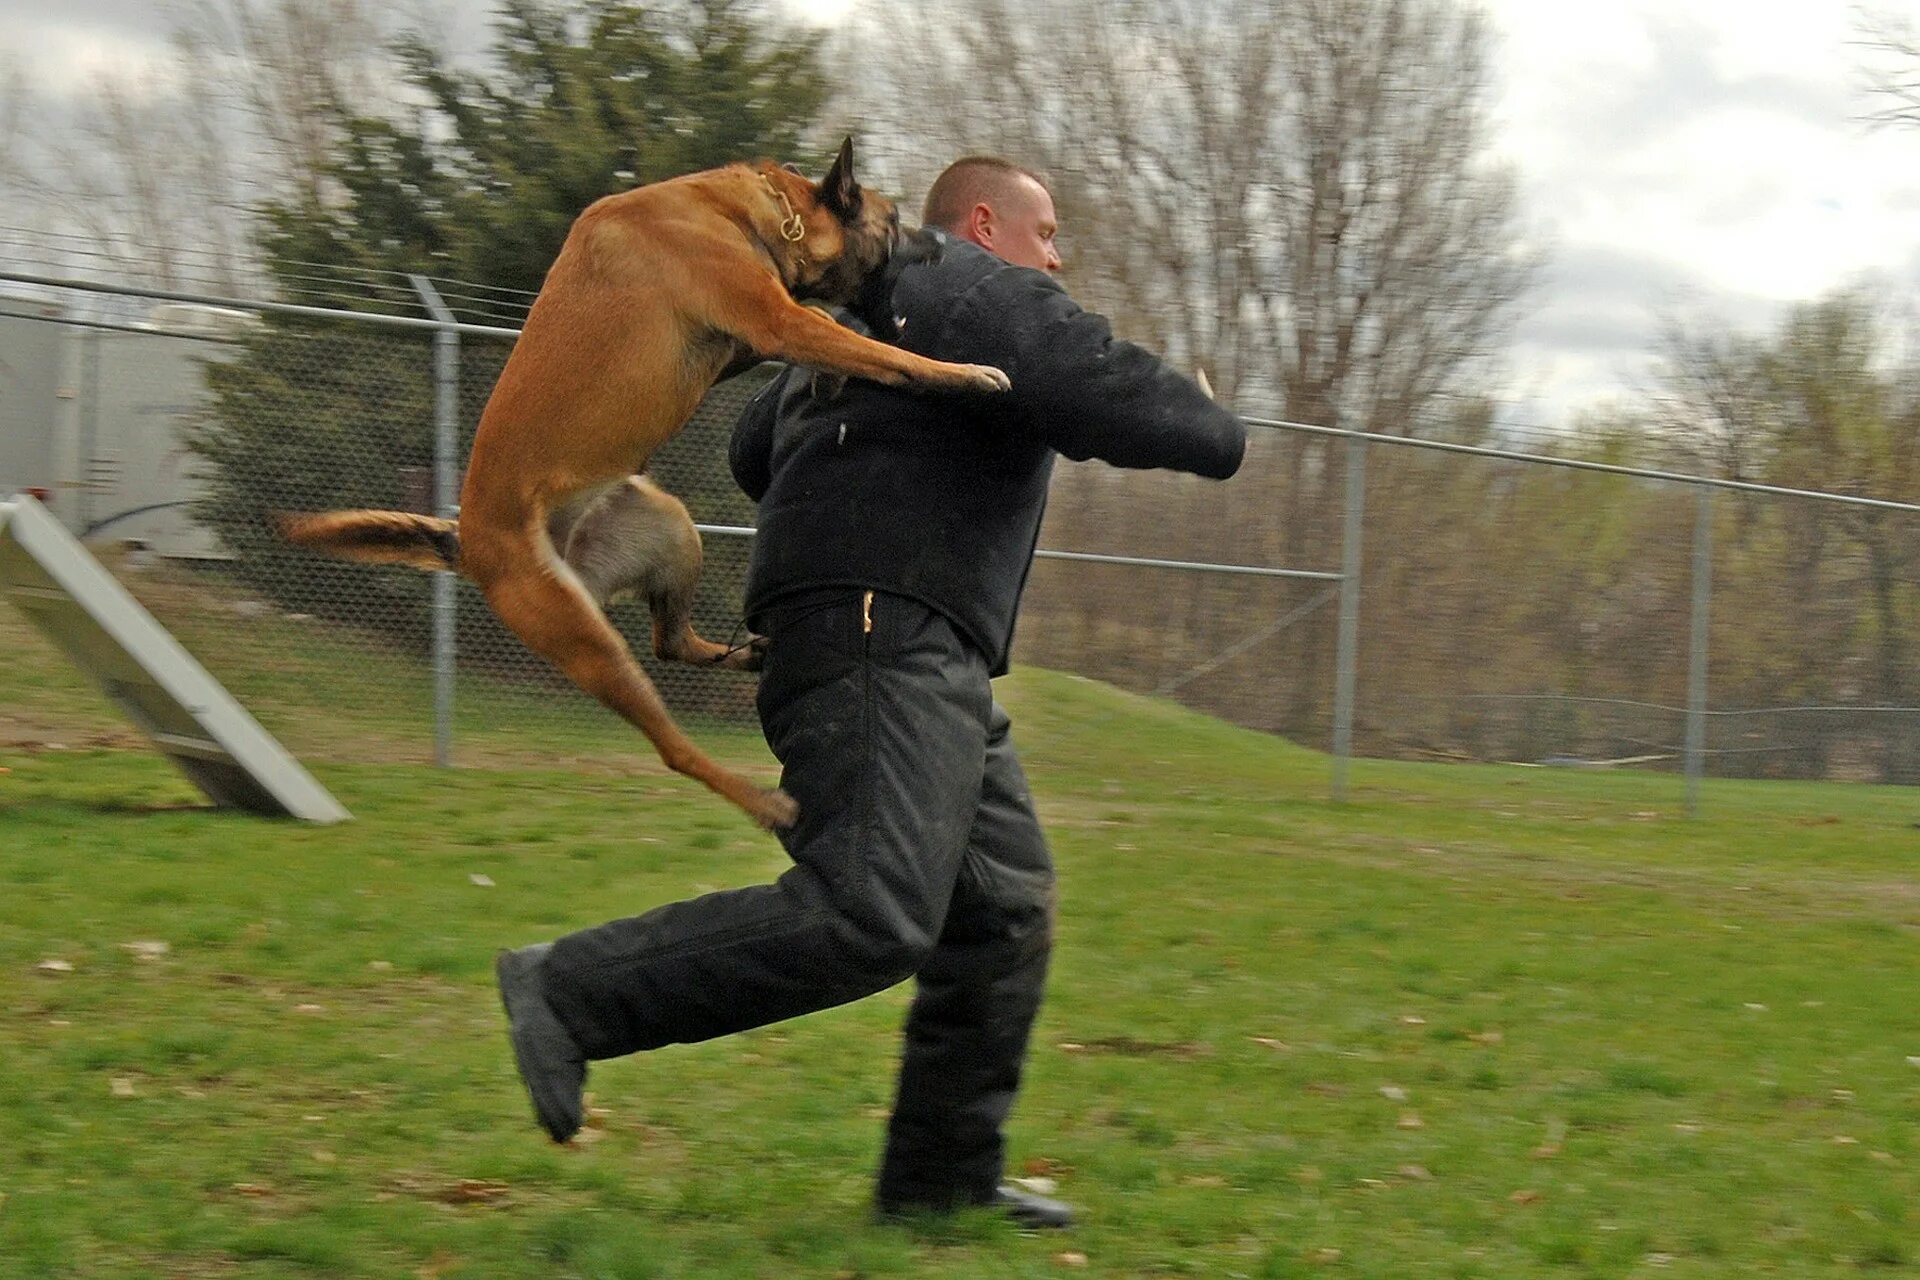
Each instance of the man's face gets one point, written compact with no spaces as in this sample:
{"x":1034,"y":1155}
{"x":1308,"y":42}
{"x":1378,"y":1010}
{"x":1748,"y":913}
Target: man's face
{"x":1018,"y":226}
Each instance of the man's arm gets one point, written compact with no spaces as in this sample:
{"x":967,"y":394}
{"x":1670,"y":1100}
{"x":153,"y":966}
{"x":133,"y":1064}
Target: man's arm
{"x":750,"y":448}
{"x":1085,"y":392}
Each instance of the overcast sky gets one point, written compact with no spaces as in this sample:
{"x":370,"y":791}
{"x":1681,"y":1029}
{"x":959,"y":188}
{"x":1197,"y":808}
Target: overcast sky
{"x":1700,"y":156}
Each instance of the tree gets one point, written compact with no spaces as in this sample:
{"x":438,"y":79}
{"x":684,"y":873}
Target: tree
{"x":1890,"y":67}
{"x":161,"y":162}
{"x":1296,"y":198}
{"x":483,"y":181}
{"x":1826,"y":593}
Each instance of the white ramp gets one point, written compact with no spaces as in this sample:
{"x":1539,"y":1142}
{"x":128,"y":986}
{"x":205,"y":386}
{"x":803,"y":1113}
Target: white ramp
{"x":50,"y":577}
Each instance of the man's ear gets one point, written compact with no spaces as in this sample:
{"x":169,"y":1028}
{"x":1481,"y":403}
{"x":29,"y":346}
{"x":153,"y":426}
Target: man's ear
{"x":980,"y":224}
{"x":838,"y":191}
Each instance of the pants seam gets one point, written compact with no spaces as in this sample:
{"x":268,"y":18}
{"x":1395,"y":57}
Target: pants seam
{"x":700,"y":945}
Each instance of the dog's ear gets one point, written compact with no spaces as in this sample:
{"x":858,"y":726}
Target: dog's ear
{"x":838,"y":191}
{"x":791,"y":167}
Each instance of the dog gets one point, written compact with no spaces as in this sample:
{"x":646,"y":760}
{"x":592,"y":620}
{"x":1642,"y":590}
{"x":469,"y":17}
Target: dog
{"x":655,"y":293}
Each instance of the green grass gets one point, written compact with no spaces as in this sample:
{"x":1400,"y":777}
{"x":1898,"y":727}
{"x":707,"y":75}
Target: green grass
{"x":1480,"y":1022}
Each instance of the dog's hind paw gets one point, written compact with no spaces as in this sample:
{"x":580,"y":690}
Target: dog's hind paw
{"x":775,"y":810}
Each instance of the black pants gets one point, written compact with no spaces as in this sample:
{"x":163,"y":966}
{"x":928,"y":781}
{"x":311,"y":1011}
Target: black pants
{"x":917,"y":854}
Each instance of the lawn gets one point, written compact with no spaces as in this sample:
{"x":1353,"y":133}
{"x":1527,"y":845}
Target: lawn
{"x":1478,"y":1022}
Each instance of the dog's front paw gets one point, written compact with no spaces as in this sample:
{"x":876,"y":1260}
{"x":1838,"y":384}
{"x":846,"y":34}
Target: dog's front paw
{"x":986,"y":378}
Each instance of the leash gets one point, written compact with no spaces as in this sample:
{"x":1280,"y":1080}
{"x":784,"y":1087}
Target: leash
{"x":788,"y":619}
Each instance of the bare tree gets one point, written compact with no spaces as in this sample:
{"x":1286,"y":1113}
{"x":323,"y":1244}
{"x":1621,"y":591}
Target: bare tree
{"x":160,"y":165}
{"x":1297,"y":198}
{"x":1890,"y":66}
{"x":291,"y":69}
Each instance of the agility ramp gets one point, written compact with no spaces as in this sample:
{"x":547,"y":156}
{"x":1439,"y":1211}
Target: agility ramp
{"x":192,"y":720}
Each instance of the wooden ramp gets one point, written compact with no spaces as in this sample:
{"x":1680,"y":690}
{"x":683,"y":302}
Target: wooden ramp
{"x":191,"y":718}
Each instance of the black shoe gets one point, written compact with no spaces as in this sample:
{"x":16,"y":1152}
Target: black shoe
{"x":551,"y":1064}
{"x":1029,"y":1210}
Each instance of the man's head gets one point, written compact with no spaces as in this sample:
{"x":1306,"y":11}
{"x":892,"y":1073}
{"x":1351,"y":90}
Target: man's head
{"x":1003,"y":208}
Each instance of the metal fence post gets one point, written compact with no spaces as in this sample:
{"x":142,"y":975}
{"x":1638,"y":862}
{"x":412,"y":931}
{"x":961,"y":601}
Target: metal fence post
{"x":446,"y":415}
{"x":1697,"y":646}
{"x":1346,"y":659}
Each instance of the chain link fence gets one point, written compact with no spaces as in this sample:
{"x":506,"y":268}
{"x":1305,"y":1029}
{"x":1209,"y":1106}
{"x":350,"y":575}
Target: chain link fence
{"x":1506,"y":608}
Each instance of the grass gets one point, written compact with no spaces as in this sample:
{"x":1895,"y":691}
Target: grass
{"x":1480,"y":1022}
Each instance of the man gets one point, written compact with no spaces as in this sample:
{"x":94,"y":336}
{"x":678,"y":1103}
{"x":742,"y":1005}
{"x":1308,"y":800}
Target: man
{"x":896,"y":531}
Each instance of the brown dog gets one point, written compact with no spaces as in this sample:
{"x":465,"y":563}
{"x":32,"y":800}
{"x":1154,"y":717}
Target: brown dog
{"x":655,"y":292}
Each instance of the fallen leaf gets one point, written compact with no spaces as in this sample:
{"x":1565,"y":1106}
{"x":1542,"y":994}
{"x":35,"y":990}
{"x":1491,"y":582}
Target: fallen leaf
{"x":436,"y":1266}
{"x":146,"y":949}
{"x":1071,"y":1259}
{"x":1068,"y":1046}
{"x":587,"y":1137}
{"x":252,"y":1190}
{"x":309,"y":1008}
{"x":1756,"y":1006}
{"x":1843,"y":1095}
{"x":121,"y":1087}
{"x":66,"y":966}
{"x":380,"y":966}
{"x":473,"y":1191}
{"x":485,"y":882}
{"x":1528,"y":1196}
{"x":1131,"y":1046}
{"x":1324,"y":1257}
{"x":1884,"y":1157}
{"x":1414,"y":1172}
{"x":1270,"y":1042}
{"x":1393,"y":1093}
{"x":1039,"y":1186}
{"x":324,"y":1156}
{"x":1372,"y":1184}
{"x":1411,"y":1120}
{"x":1843,"y":1140}
{"x":1486,"y":1037}
{"x":1913,"y":1060}
{"x":1546,"y":1151}
{"x":1686,"y":1126}
{"x":1412,"y":1020}
{"x":1658,"y":1259}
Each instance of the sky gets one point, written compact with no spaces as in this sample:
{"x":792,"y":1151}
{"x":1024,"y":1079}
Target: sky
{"x":1700,"y":158}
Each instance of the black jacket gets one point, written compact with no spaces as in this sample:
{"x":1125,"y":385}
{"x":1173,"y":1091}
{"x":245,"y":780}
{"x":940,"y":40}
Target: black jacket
{"x":937,"y":495}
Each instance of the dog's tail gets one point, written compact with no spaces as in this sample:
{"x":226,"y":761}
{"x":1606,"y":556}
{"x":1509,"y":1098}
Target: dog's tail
{"x":380,"y":537}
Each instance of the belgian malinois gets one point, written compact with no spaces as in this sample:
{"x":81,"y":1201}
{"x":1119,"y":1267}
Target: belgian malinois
{"x":656,"y":291}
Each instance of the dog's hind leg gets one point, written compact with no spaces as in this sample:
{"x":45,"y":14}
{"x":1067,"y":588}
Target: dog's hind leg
{"x":639,"y":538}
{"x":543,"y":601}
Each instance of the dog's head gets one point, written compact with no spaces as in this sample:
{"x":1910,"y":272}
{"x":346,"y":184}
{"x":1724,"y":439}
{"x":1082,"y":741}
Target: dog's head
{"x":872,"y":303}
{"x":839,"y":233}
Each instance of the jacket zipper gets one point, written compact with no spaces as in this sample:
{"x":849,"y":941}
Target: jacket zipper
{"x":866,"y":614}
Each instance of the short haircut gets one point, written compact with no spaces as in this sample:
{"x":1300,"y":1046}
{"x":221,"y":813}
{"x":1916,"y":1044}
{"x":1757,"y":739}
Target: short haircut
{"x":967,"y":182}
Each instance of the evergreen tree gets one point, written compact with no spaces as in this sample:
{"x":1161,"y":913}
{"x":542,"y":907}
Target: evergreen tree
{"x":579,"y":102}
